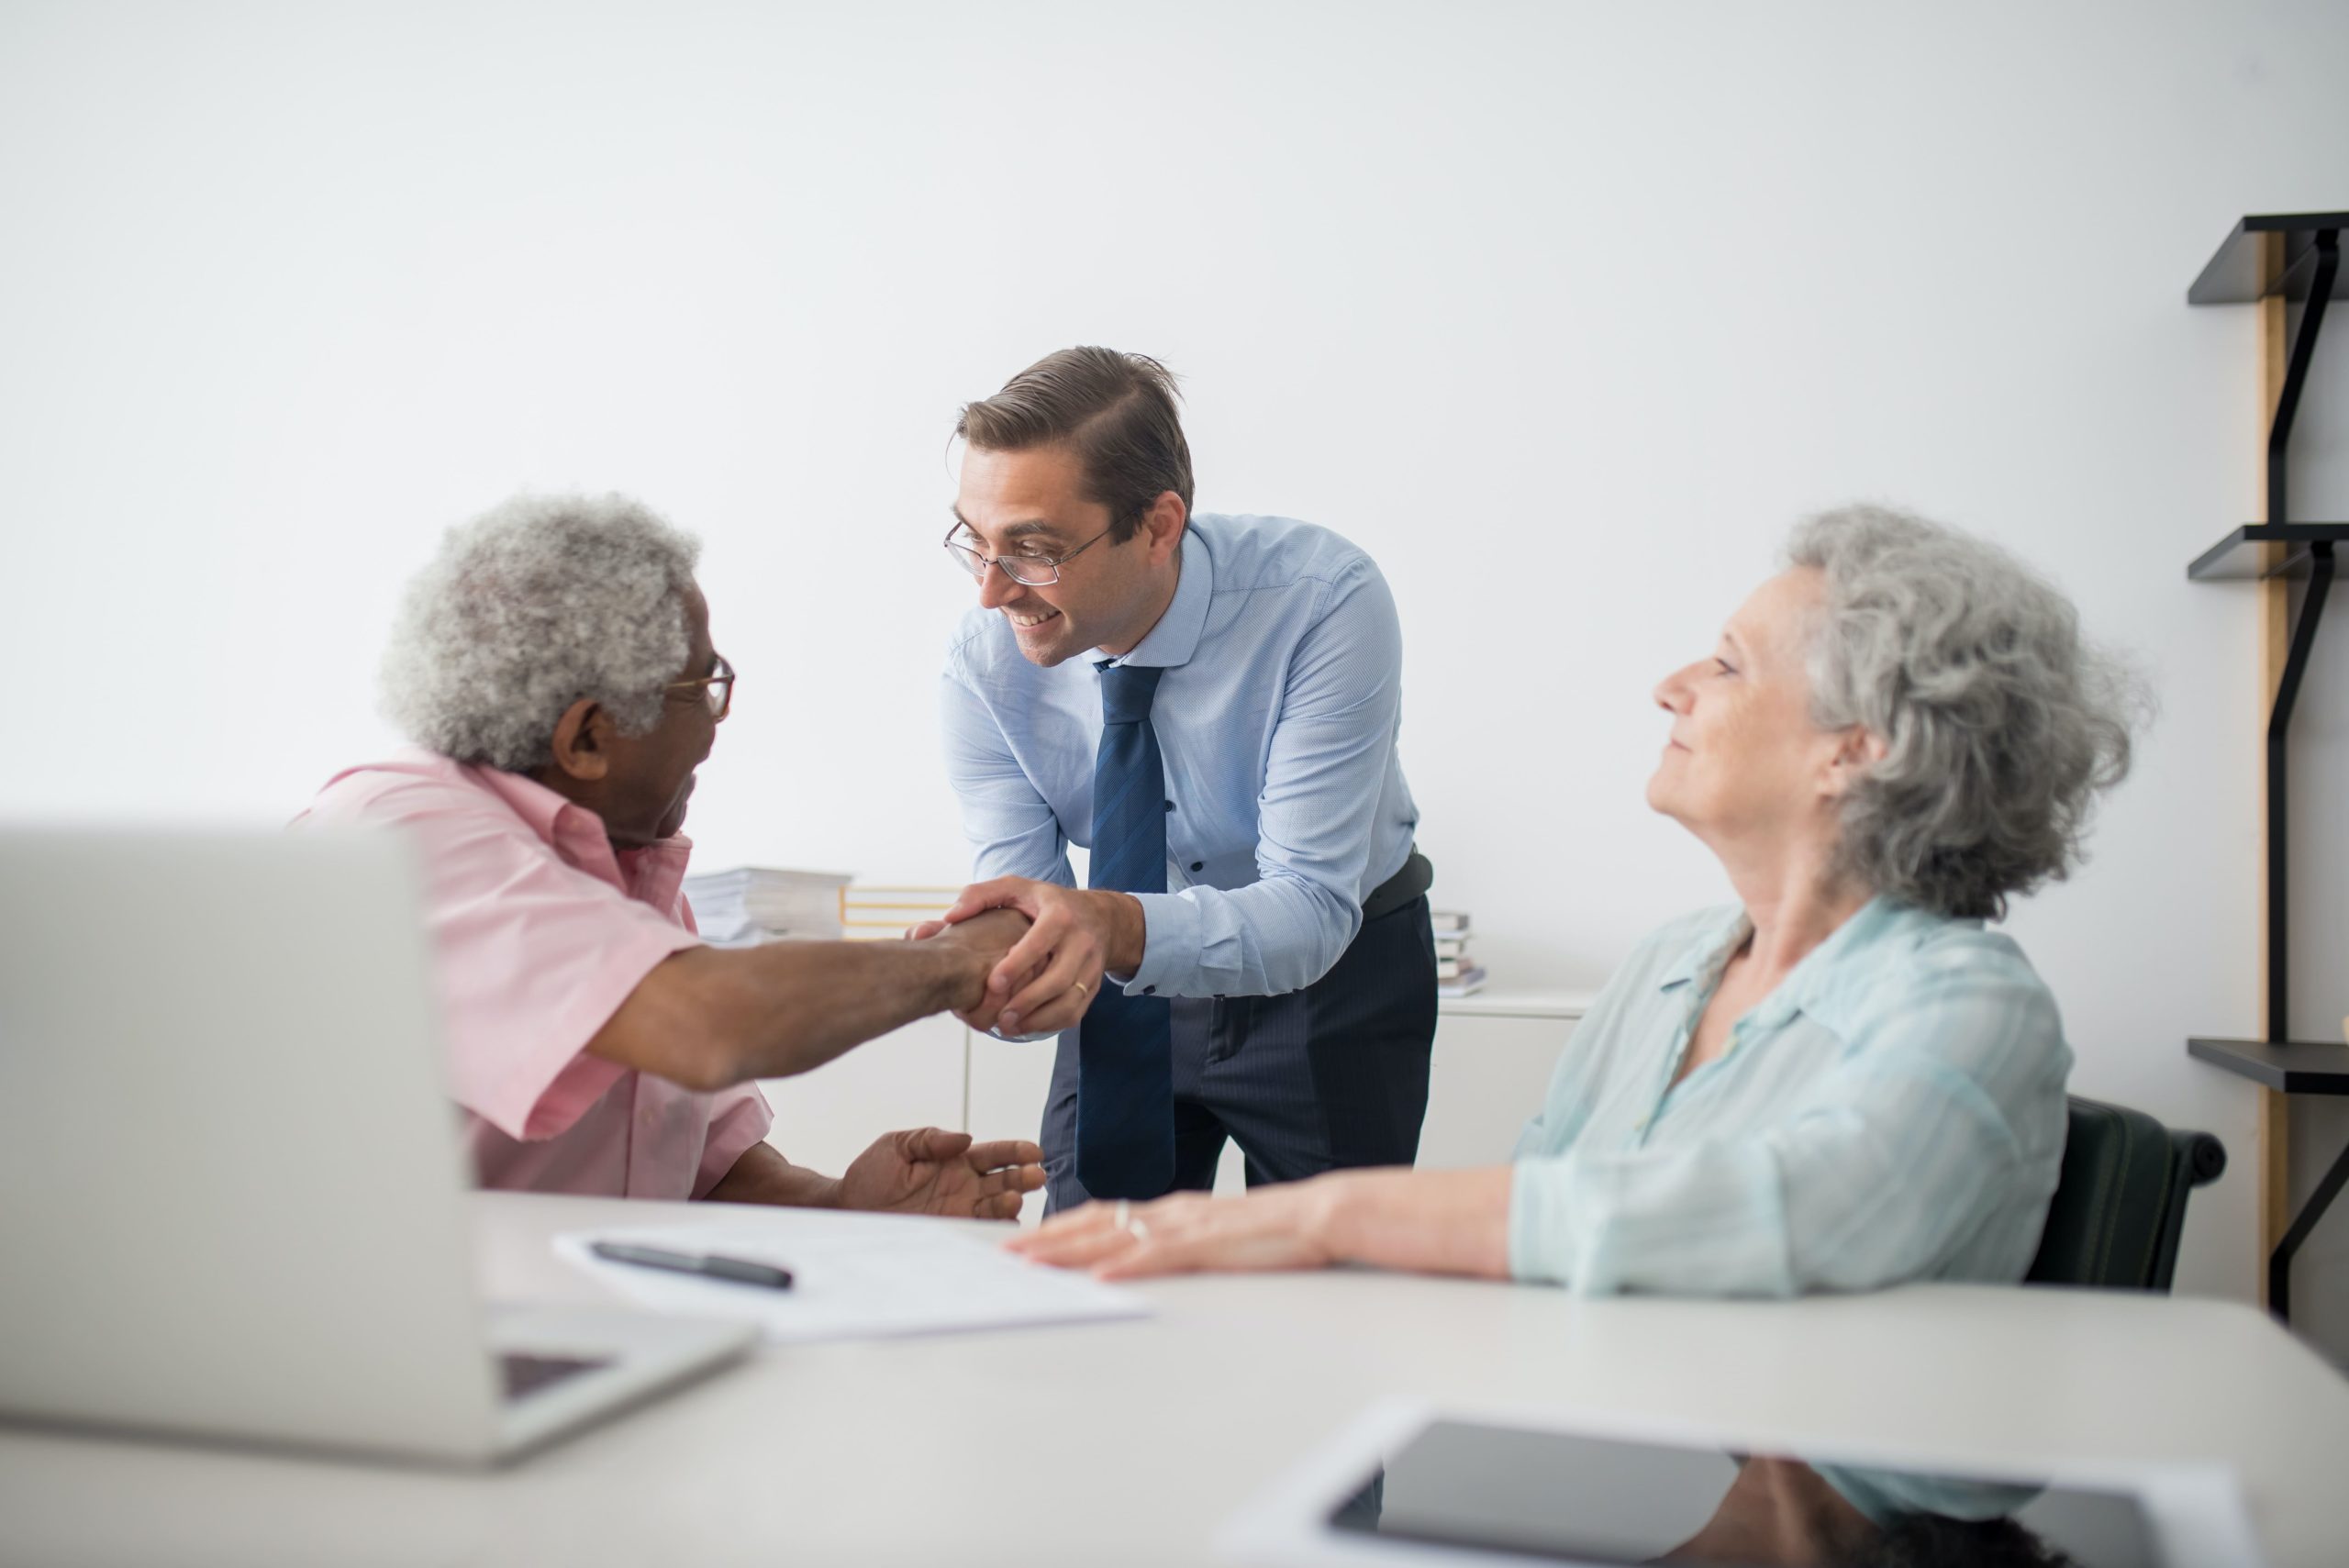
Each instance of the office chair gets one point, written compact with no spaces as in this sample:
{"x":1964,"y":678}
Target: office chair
{"x":2121,"y":1201}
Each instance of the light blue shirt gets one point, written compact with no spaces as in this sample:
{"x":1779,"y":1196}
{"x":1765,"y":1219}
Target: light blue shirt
{"x":1893,"y":1111}
{"x":1277,"y":717}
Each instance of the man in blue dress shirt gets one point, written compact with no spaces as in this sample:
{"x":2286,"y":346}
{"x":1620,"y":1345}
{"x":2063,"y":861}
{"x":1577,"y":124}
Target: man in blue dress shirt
{"x":1209,"y":706}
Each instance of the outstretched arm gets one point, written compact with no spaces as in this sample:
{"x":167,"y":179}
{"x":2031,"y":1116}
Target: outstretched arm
{"x":1444,"y":1222}
{"x":707,"y":1018}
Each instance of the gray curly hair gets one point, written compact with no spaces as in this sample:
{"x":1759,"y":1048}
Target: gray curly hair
{"x":528,"y":607}
{"x":2002,"y":723}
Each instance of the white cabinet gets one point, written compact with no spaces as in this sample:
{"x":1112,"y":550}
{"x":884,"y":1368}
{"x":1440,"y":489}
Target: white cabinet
{"x":1008,"y":1082}
{"x":912,"y":1077}
{"x":1494,"y":1055}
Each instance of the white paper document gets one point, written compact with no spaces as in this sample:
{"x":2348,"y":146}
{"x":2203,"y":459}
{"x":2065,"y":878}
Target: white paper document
{"x":855,"y":1276}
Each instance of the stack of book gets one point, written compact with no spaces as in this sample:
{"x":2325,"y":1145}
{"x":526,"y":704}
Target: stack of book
{"x":1456,"y":975}
{"x":875,"y":910}
{"x":749,"y":904}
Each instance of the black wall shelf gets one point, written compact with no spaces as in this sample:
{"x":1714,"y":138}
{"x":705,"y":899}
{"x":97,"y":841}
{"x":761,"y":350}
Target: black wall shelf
{"x":2288,"y":1067}
{"x":2243,"y":554}
{"x":2236,"y":274}
{"x":2294,"y":257}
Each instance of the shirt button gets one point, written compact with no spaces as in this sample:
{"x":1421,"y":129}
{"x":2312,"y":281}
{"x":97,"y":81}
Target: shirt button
{"x":1198,"y":865}
{"x":1170,"y":805}
{"x":1150,"y":990}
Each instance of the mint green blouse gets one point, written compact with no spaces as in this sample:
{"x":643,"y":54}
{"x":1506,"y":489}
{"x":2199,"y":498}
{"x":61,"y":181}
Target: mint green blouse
{"x":1893,"y":1111}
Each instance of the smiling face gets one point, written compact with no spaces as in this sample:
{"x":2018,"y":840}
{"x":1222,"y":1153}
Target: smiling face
{"x":1032,"y":502}
{"x":1745,"y":760}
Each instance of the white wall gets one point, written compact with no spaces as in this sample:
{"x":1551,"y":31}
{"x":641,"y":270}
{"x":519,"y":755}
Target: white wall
{"x":1564,"y":311}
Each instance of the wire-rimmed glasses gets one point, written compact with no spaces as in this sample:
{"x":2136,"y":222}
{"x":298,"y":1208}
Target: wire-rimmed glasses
{"x":716,"y":688}
{"x":1031,"y":569}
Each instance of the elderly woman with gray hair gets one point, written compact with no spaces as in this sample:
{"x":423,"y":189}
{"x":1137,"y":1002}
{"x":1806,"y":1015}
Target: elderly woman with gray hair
{"x":1841,"y":1082}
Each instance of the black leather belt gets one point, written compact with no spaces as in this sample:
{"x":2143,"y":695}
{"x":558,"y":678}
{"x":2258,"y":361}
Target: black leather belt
{"x":1416,"y":877}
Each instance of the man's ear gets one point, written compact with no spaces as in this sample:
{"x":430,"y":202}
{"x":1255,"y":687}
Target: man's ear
{"x":582,"y":740}
{"x":1857,"y":750}
{"x":1162,"y":525}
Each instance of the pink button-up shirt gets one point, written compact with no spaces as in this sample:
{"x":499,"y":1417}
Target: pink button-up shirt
{"x":539,"y":932}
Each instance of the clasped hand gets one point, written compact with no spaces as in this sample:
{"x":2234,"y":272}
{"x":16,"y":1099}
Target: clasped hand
{"x":989,"y":935}
{"x":1050,"y":976}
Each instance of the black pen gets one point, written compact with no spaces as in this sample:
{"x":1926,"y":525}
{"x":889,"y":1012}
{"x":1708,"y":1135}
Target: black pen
{"x":741,"y":1270}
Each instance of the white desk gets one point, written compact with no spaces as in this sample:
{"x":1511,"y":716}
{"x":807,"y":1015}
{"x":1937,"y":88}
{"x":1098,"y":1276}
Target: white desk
{"x":1129,"y":1443}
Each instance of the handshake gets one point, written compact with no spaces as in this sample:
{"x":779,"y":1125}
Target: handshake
{"x":1038,"y":950}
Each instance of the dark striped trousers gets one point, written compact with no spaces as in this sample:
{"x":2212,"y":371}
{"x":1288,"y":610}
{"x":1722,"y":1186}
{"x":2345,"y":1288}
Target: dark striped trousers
{"x":1322,"y":1079}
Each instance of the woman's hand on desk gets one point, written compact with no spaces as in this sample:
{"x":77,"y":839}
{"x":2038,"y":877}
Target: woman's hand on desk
{"x":1273,"y":1227}
{"x":1451,"y":1222}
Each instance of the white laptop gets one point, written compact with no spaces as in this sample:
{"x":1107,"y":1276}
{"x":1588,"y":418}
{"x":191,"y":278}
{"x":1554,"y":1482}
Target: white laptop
{"x":231,"y":1191}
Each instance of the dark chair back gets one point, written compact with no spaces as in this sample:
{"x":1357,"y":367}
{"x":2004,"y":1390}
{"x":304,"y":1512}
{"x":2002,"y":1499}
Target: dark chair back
{"x":2122,"y":1199}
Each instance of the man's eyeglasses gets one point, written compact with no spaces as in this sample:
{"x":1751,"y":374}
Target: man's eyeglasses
{"x":1029,"y":568}
{"x":716,"y":689}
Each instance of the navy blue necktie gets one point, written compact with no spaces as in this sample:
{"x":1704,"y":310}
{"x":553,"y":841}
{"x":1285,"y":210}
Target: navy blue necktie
{"x":1125,"y":1056}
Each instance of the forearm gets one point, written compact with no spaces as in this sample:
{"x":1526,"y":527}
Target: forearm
{"x":707,"y":1018}
{"x":796,"y":1006}
{"x":763,"y":1175}
{"x":1274,"y":935}
{"x":1123,"y":934}
{"x":1446,"y":1222}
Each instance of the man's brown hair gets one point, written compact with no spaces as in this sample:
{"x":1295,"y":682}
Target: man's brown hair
{"x":1115,"y":411}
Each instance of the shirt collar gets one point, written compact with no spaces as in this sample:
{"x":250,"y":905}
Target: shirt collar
{"x":651,"y":872}
{"x":1709,"y":949}
{"x":551,"y":817}
{"x":1813,"y":984}
{"x":1176,"y":636}
{"x":1816,"y":985}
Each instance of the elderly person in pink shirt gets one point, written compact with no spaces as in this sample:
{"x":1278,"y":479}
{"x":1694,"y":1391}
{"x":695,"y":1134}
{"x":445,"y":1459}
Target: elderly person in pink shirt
{"x":554,"y":667}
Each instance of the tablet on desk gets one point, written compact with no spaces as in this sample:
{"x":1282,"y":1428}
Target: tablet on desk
{"x":1408,"y":1485}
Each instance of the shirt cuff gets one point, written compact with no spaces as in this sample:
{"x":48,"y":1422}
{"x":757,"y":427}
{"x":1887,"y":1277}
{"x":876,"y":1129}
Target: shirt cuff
{"x":1541,"y":1222}
{"x":1170,"y":944}
{"x":739,"y":1121}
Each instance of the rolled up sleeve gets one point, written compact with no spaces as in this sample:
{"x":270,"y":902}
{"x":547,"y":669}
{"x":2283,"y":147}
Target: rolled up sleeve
{"x":739,"y":1119}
